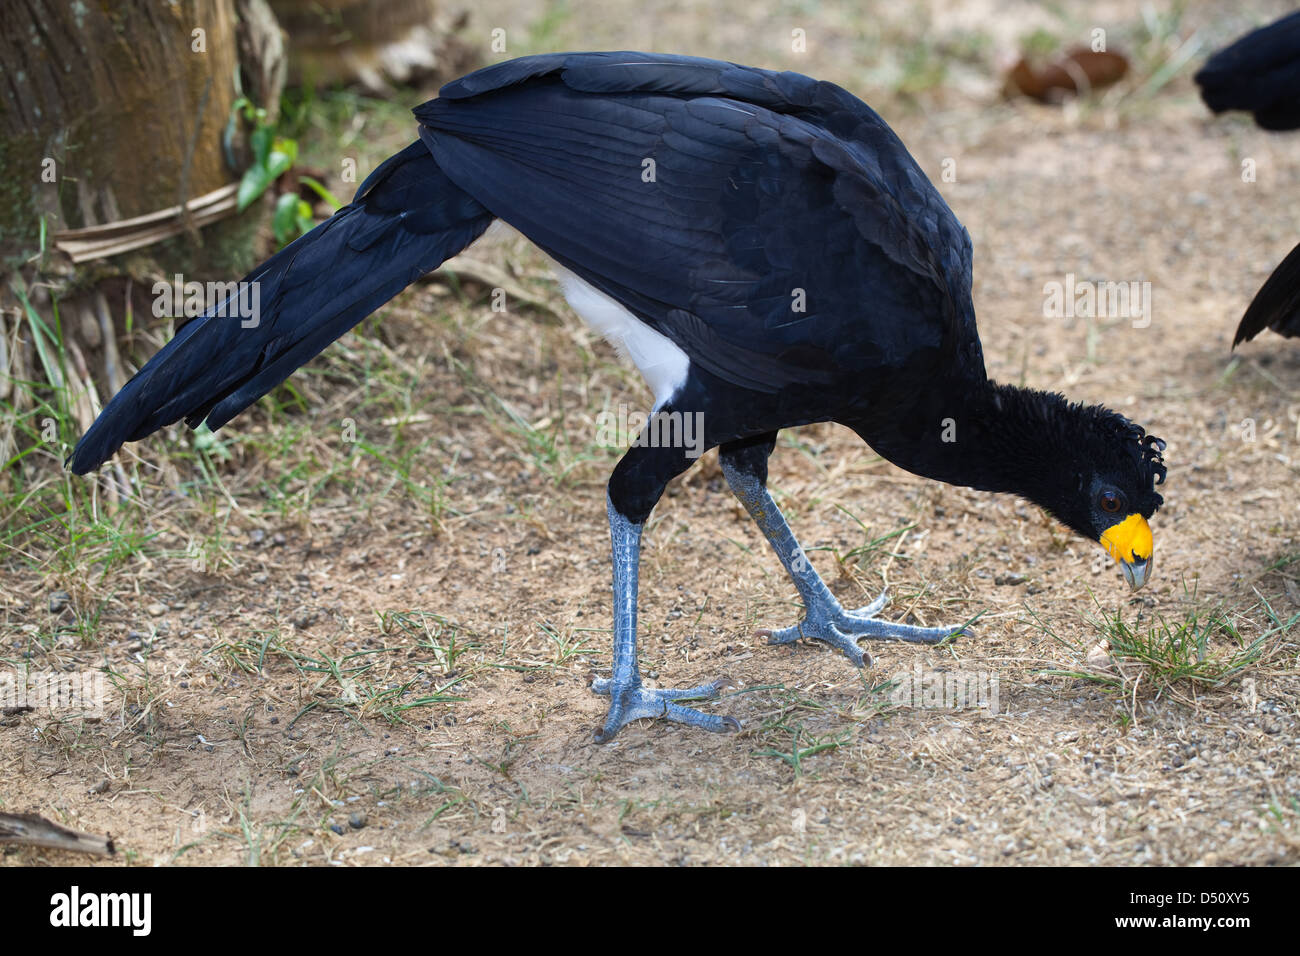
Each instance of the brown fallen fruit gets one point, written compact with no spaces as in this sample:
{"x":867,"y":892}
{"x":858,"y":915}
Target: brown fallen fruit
{"x":1078,"y":71}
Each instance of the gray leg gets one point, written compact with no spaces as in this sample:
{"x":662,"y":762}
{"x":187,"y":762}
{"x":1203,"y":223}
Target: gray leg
{"x":628,"y":699}
{"x":825,"y":619}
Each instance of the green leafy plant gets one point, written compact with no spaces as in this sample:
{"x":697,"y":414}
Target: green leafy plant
{"x":293,"y":215}
{"x":272,"y":155}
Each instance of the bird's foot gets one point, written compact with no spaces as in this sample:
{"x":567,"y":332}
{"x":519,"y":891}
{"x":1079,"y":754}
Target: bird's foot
{"x":841,"y":629}
{"x":635,"y":702}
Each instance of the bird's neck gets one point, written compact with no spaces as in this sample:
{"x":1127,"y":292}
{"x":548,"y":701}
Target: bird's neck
{"x":985,"y":436}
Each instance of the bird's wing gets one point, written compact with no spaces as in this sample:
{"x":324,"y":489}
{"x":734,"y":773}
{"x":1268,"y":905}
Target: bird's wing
{"x":771,"y":225}
{"x":1276,"y":305}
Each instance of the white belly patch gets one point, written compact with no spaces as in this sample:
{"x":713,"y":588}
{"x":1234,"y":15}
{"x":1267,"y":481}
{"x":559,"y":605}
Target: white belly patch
{"x":661,"y":361}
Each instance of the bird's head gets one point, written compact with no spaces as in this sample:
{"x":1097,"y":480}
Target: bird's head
{"x":1116,"y":466}
{"x":1091,"y":468}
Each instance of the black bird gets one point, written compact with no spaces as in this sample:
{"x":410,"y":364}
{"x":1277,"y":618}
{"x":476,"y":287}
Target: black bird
{"x":1259,"y":73}
{"x":1276,"y":305}
{"x":764,"y":248}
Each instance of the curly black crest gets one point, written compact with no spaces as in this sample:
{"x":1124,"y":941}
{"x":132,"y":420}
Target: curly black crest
{"x":1091,"y":447}
{"x":1146,"y":450}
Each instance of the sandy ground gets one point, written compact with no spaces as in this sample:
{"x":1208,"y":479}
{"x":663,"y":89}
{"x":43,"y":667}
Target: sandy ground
{"x":266,"y":702}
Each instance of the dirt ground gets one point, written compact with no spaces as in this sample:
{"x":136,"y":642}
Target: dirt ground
{"x":380,"y":651}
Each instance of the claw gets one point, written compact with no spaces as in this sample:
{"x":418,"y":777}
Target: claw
{"x":842,"y":629}
{"x":636,"y":703}
{"x":874,"y":608}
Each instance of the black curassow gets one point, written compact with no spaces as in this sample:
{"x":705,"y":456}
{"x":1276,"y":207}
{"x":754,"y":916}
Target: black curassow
{"x":764,"y":248}
{"x":1258,"y":73}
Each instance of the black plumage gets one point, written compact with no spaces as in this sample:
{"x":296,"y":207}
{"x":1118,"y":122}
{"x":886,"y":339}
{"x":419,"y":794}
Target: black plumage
{"x":770,"y":227}
{"x":1276,"y":305}
{"x":1259,"y":73}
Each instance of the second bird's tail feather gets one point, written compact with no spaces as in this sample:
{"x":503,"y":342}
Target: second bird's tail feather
{"x":406,"y":219}
{"x":1276,"y":305}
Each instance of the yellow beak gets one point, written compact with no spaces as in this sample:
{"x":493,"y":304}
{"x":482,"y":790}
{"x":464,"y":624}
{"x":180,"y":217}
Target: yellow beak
{"x":1130,"y":543}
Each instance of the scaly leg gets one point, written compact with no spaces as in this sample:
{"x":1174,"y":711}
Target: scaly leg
{"x":745,"y":467}
{"x":628,"y":699}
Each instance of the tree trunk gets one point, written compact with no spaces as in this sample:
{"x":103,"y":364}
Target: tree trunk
{"x":110,"y":111}
{"x":374,"y":42}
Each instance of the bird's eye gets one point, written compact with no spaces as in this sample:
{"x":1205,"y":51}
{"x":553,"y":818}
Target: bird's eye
{"x":1110,"y":502}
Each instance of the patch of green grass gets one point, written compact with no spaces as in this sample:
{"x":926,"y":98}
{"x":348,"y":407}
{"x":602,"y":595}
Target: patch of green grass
{"x":568,"y":644}
{"x":1198,"y":648}
{"x":921,"y":69}
{"x":545,"y":32}
{"x":511,"y":750}
{"x":447,"y":640}
{"x":426,"y":488}
{"x":1282,"y":817}
{"x":873,"y":546}
{"x":343,"y":688}
{"x":1178,"y":649}
{"x":544,"y":444}
{"x":50,"y":518}
{"x":1283,"y":562}
{"x":250,"y":654}
{"x":1162,"y":50}
{"x":798,"y":754}
{"x":454,"y":799}
{"x":350,"y":684}
{"x":393,"y":702}
{"x":788,"y":722}
{"x":263,"y":841}
{"x":1039,"y":43}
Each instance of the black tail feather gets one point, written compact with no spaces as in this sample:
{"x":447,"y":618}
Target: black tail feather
{"x":1276,"y":305}
{"x":406,"y":219}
